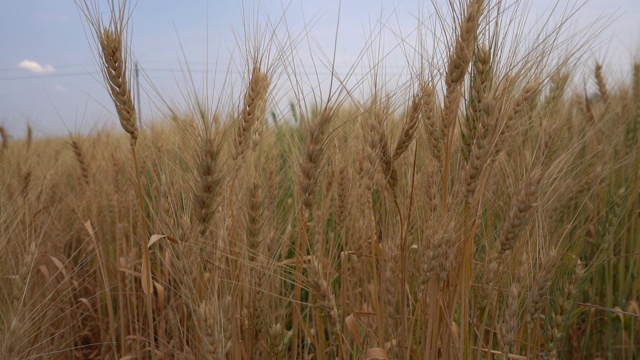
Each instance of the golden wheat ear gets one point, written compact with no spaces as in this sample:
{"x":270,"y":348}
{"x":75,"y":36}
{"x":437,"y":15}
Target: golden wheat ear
{"x":602,"y":83}
{"x":253,"y":110}
{"x":115,"y":74}
{"x":113,"y":53}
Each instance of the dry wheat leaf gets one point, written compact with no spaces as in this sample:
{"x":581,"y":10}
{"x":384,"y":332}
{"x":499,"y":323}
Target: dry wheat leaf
{"x":376,"y":354}
{"x":45,"y":272}
{"x":59,"y":265}
{"x":87,"y":304}
{"x":632,"y":307}
{"x":161,"y":294}
{"x":136,"y":274}
{"x":145,"y":274}
{"x":147,"y":283}
{"x":89,"y":227}
{"x":156,"y":238}
{"x":500,"y":353}
{"x":136,"y":338}
{"x":352,"y":326}
{"x":364,"y":313}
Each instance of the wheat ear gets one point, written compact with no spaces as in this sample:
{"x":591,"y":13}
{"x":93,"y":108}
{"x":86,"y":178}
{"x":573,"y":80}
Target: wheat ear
{"x":538,"y":295}
{"x":81,"y":159}
{"x":115,"y":71}
{"x":510,"y":321}
{"x":459,"y":61}
{"x":479,"y":88}
{"x":209,"y":181}
{"x":312,"y":157}
{"x":520,"y":208}
{"x":325,"y":299}
{"x":602,"y":84}
{"x":409,"y":128}
{"x":563,"y":308}
{"x":431,"y":122}
{"x":480,"y":150}
{"x":114,"y":56}
{"x":253,"y":110}
{"x":527,"y":95}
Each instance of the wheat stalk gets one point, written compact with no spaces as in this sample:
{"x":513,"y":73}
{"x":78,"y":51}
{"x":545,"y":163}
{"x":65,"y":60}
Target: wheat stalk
{"x":4,"y":135}
{"x":29,"y":137}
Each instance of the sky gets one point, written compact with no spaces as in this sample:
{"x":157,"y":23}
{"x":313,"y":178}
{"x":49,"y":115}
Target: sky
{"x":49,"y":78}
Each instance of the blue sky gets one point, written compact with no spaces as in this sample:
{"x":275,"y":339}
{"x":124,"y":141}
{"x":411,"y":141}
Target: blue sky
{"x":48,"y":76}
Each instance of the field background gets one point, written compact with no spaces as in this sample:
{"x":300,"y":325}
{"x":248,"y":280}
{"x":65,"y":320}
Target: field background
{"x":487,"y":207}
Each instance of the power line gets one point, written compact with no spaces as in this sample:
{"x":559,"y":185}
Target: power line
{"x":66,"y":66}
{"x":33,"y":77}
{"x":362,"y":70}
{"x":172,"y":70}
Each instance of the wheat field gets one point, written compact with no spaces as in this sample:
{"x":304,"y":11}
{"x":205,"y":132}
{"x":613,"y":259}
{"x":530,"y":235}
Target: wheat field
{"x":488,"y":208}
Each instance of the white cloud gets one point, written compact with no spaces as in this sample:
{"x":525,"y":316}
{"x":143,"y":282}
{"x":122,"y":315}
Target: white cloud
{"x":59,"y":88}
{"x":35,"y":67}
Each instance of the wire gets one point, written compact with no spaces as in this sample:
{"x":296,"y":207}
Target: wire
{"x":33,"y":77}
{"x":68,"y":66}
{"x":168,"y":70}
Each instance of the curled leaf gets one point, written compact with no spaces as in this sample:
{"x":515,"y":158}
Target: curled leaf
{"x":376,"y":354}
{"x":155,"y":238}
{"x":352,"y":325}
